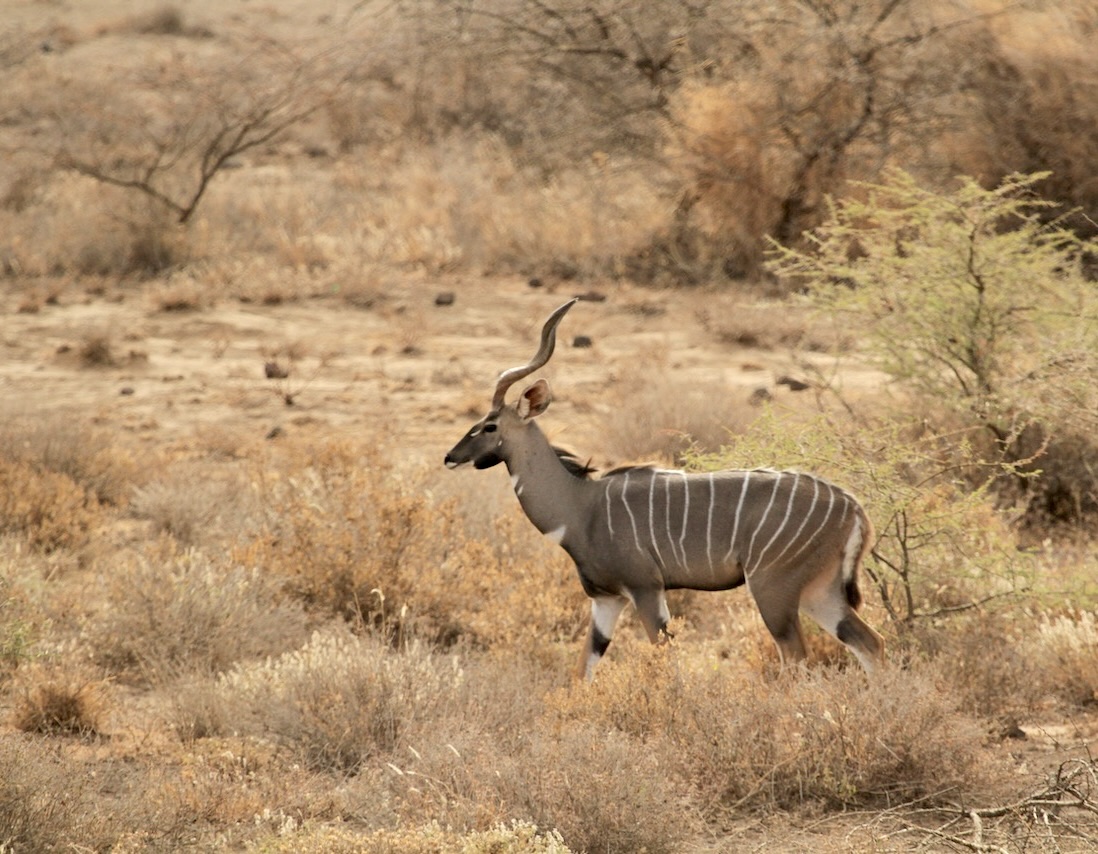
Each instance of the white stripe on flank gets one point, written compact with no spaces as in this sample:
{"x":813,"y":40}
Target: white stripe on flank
{"x":667,"y":515}
{"x":736,"y":522}
{"x":709,"y":525}
{"x":609,"y":513}
{"x":685,"y":514}
{"x":830,"y":504}
{"x":785,"y":519}
{"x":629,"y":510}
{"x":516,"y":485}
{"x":847,"y":501}
{"x":759,"y":527}
{"x":557,"y":534}
{"x":804,"y":521}
{"x":652,"y":518}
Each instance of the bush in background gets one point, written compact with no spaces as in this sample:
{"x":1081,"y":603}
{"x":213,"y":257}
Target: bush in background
{"x":974,"y":302}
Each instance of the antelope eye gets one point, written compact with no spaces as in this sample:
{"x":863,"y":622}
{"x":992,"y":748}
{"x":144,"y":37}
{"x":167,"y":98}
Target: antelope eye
{"x":490,"y":427}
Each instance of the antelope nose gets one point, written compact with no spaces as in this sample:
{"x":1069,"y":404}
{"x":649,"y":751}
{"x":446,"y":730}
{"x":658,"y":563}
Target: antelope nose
{"x":450,"y":463}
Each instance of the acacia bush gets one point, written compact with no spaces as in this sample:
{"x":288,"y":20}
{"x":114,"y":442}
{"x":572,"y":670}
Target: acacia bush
{"x":976,"y":303}
{"x":941,"y":547}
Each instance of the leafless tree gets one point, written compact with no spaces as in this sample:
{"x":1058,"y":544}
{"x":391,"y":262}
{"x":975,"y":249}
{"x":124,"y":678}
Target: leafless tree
{"x":168,"y":133}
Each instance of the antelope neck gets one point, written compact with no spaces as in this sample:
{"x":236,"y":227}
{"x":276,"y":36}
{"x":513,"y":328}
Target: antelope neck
{"x":552,"y":497}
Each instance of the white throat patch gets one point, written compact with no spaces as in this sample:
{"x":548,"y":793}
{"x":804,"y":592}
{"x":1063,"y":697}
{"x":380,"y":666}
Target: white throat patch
{"x":557,"y":534}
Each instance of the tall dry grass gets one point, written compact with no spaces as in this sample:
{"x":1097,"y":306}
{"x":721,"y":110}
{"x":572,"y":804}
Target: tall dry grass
{"x":384,"y":724}
{"x":176,"y":613}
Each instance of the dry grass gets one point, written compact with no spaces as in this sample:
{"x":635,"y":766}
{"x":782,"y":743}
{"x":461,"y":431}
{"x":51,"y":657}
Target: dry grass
{"x":391,"y":731}
{"x":652,"y":414}
{"x":178,"y":613}
{"x":340,"y":701}
{"x":311,"y":644}
{"x":516,"y":837}
{"x":1064,"y":651}
{"x":33,"y":816}
{"x":59,"y":701}
{"x":826,"y":737}
{"x":73,"y":448}
{"x":195,"y":506}
{"x":51,"y":510}
{"x":356,"y":536}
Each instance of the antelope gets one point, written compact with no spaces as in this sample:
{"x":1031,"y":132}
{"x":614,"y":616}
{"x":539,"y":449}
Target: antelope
{"x":794,"y":540}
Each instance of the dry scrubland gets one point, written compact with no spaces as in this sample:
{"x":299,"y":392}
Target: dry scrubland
{"x":242,"y":607}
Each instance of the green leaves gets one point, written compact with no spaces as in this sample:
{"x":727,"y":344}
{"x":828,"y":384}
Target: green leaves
{"x":975,"y":298}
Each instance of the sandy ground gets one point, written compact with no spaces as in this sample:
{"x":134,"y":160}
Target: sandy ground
{"x":404,"y":364}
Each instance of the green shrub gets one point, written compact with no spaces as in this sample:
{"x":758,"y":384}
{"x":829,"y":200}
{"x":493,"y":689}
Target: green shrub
{"x":941,"y":548}
{"x":972,"y":299}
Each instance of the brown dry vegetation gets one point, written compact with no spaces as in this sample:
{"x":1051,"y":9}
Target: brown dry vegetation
{"x":242,"y":605}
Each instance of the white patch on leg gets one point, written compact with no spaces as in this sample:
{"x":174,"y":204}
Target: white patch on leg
{"x":827,"y":610}
{"x":853,"y":548}
{"x":605,"y":612}
{"x":867,"y":661}
{"x":516,"y":485}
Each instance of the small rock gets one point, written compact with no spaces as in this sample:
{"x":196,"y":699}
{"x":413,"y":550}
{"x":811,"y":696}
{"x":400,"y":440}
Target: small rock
{"x":759,"y":396}
{"x":794,"y":384}
{"x":582,"y":341}
{"x":275,"y":371}
{"x":126,"y":391}
{"x":534,"y":282}
{"x":445,"y":298}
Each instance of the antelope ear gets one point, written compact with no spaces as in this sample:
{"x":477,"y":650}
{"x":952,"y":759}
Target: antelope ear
{"x":534,"y":400}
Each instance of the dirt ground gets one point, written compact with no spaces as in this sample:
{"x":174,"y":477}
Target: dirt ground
{"x":404,"y":364}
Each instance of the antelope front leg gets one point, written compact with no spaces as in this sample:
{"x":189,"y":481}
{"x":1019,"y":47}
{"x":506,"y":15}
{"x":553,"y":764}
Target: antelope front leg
{"x":605,"y":611}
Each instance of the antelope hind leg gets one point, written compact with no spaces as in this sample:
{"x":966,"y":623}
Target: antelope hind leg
{"x":861,"y":639}
{"x":836,"y":617}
